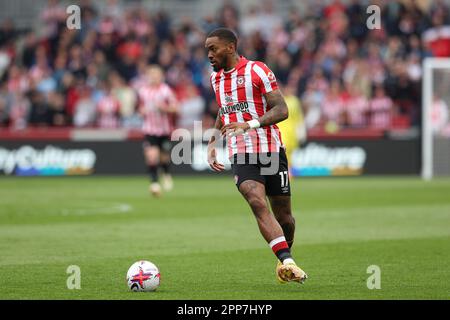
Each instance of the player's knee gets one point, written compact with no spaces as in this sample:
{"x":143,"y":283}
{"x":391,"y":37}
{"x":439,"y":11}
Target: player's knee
{"x":152,"y":162}
{"x":288,"y":225}
{"x":152,"y":159}
{"x":283,"y":211}
{"x":285,"y":217}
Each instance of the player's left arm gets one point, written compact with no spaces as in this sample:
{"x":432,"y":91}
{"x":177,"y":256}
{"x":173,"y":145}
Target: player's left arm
{"x":277,"y":112}
{"x":277,"y":109}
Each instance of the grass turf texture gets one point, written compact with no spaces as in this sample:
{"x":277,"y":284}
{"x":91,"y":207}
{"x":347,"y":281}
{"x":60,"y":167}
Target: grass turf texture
{"x":206,"y":243}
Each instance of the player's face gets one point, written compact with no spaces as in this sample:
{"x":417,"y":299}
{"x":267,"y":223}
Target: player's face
{"x":218,"y":52}
{"x":154,"y":77}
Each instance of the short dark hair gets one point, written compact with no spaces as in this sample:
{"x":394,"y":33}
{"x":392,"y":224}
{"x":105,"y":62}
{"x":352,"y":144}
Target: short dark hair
{"x":225,"y":34}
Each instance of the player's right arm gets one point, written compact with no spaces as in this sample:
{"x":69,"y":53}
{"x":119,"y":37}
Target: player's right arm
{"x":212,"y":160}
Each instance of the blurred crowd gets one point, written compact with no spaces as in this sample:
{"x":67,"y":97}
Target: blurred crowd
{"x":344,"y":74}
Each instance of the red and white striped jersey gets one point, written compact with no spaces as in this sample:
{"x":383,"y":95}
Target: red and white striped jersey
{"x":356,"y":108}
{"x":333,"y":107}
{"x":381,"y":108}
{"x":240,"y":96}
{"x":153,"y":100}
{"x":108,"y":109}
{"x":438,"y":40}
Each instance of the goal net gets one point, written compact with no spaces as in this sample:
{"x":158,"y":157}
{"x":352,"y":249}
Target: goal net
{"x":436,"y":118}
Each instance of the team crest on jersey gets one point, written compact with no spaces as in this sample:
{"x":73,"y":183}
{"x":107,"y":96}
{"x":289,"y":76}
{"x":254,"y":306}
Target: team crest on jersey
{"x":240,"y":81}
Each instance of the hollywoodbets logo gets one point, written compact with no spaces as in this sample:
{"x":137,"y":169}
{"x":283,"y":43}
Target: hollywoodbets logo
{"x":238,"y":107}
{"x":232,"y":107}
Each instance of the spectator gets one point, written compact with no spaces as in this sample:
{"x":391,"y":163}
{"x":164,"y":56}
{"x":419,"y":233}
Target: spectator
{"x":84,"y":109}
{"x":228,"y":15}
{"x":312,"y":101}
{"x":356,"y":108}
{"x":17,"y":82}
{"x":312,"y":49}
{"x":19,"y":113}
{"x":113,"y":9}
{"x":52,"y":15}
{"x":252,"y":21}
{"x":108,"y":111}
{"x":439,"y":116}
{"x":127,"y":100}
{"x":269,"y":20}
{"x":56,"y":109}
{"x":333,"y":105}
{"x":59,"y":70}
{"x":5,"y":60}
{"x":5,"y":102}
{"x":381,"y":109}
{"x":192,"y":107}
{"x":39,"y":115}
{"x":437,"y":38}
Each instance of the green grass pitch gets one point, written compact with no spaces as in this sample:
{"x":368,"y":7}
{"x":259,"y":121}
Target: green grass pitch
{"x":206,"y":243}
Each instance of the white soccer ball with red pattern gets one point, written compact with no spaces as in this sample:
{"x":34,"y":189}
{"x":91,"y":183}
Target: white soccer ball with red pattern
{"x":143,"y":276}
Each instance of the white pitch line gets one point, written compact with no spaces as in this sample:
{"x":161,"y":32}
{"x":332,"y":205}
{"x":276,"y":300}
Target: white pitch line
{"x":116,"y":208}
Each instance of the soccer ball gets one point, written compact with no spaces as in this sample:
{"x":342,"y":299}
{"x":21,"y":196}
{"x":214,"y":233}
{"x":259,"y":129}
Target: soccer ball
{"x":143,"y":276}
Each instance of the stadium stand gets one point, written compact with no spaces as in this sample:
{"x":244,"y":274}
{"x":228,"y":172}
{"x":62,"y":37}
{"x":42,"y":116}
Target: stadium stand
{"x":347,"y":76}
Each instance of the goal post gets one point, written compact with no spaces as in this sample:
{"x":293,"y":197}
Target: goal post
{"x":436,"y":118}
